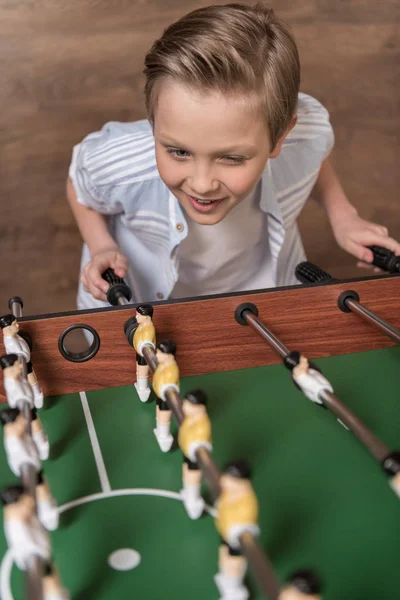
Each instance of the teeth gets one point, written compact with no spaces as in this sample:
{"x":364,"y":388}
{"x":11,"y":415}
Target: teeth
{"x":204,"y":201}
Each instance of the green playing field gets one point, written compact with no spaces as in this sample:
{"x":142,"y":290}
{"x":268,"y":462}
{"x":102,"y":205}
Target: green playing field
{"x":324,"y":502}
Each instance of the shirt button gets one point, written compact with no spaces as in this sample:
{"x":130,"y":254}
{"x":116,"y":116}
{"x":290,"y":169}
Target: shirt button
{"x":160,"y":295}
{"x":180,"y":227}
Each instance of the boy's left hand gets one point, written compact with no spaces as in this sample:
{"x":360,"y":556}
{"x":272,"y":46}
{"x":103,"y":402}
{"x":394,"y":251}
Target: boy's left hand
{"x":353,"y":234}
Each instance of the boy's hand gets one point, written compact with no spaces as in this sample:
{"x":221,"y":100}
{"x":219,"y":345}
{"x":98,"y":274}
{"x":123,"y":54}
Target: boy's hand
{"x":102,"y":260}
{"x":353,"y":234}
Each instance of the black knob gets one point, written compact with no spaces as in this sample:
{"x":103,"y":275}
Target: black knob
{"x":306,"y":272}
{"x":118,"y":288}
{"x":385,"y":259}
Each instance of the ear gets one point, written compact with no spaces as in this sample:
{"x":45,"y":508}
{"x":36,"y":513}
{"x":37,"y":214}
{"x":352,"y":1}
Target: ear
{"x":278,"y":147}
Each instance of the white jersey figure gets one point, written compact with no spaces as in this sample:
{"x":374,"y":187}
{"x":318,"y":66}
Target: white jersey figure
{"x":52,"y":587}
{"x":26,"y":537}
{"x":16,"y":344}
{"x":39,"y":436}
{"x":310,"y":381}
{"x":19,"y":446}
{"x":46,"y":505}
{"x":18,"y":390}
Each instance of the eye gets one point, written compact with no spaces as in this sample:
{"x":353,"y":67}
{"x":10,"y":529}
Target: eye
{"x":236,"y":160}
{"x":177,"y":152}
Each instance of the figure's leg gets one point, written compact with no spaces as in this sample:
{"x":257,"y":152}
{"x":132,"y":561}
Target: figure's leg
{"x":40,"y":438}
{"x":142,"y":378}
{"x":37,"y":391}
{"x":163,"y":425}
{"x":232,"y":569}
{"x":191,"y":492}
{"x":46,"y":505}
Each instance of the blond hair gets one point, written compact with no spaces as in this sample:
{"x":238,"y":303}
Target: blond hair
{"x":232,"y":49}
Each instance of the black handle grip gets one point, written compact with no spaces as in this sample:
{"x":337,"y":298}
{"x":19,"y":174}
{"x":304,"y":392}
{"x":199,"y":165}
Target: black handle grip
{"x":118,"y":288}
{"x":385,"y":259}
{"x":306,"y":272}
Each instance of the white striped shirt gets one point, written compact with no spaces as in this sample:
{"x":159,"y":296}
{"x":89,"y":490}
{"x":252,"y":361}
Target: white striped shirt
{"x":114,"y":172}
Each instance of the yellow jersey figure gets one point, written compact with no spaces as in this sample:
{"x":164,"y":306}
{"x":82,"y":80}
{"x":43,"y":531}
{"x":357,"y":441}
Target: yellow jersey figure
{"x":237,"y":508}
{"x":194,"y":433}
{"x":166,"y":376}
{"x":145,"y":335}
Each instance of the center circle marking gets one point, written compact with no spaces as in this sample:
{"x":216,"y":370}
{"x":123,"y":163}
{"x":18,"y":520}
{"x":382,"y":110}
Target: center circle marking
{"x":124,"y":559}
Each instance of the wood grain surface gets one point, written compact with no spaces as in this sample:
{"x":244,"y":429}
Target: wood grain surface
{"x":208,"y":337}
{"x":68,"y":67}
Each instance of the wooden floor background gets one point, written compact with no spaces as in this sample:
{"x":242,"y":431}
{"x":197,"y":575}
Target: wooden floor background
{"x":67,"y":67}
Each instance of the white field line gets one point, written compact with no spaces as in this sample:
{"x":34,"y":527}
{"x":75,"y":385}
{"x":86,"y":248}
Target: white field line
{"x":128,"y":492}
{"x":7,"y":562}
{"x":98,"y":457}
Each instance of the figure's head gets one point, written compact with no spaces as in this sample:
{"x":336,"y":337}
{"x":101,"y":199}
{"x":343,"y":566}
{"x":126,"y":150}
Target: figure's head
{"x":166,"y":350}
{"x":11,"y":366}
{"x":17,"y":503}
{"x":194,"y":403}
{"x":235,"y":477}
{"x":14,"y":422}
{"x":221,"y":93}
{"x":302,"y":585}
{"x":9,"y":324}
{"x":144,"y":312}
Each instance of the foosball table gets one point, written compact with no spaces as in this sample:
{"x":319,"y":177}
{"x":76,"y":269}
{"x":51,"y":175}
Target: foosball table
{"x":325,"y":471}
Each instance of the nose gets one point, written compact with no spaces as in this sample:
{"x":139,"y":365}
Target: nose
{"x":202,"y":180}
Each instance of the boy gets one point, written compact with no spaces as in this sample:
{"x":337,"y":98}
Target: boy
{"x":231,"y":144}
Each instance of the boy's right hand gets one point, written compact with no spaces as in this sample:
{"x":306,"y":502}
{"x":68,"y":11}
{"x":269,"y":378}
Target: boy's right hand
{"x":101,"y":261}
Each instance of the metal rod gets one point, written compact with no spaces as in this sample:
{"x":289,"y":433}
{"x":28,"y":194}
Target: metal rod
{"x":372,"y":318}
{"x":122,"y":301}
{"x":273,"y":341}
{"x":261,"y":566}
{"x":150,"y":357}
{"x":375,"y":446}
{"x":34,"y":579}
{"x":209,"y":470}
{"x":175,"y":404}
{"x":28,"y":479}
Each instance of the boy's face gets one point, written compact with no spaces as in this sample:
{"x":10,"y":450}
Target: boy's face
{"x":209,"y":147}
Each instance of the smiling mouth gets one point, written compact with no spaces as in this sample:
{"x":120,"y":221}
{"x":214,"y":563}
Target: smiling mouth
{"x":204,"y":200}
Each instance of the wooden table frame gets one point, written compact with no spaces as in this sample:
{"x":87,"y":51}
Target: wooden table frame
{"x":209,"y":339}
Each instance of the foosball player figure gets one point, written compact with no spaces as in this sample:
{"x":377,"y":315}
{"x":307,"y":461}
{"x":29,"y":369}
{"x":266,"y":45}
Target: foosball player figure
{"x":16,"y":344}
{"x":166,"y":376}
{"x":18,"y":391}
{"x":237,"y":508}
{"x":25,"y":536}
{"x":46,"y":505}
{"x":18,"y":444}
{"x":39,"y":436}
{"x":303,"y":585}
{"x":307,"y":377}
{"x":145,"y":335}
{"x":391,"y":465}
{"x":194,"y":433}
{"x":52,"y":586}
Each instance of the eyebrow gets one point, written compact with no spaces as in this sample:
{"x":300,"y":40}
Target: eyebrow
{"x":167,"y":141}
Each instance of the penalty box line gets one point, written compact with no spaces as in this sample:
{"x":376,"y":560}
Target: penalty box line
{"x":98,"y":457}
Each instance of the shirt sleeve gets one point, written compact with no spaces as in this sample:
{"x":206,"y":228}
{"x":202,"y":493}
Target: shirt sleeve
{"x":106,"y":161}
{"x":295,"y":171}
